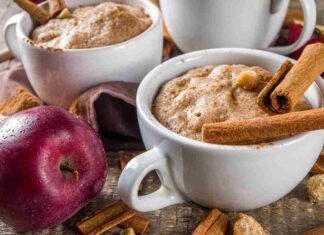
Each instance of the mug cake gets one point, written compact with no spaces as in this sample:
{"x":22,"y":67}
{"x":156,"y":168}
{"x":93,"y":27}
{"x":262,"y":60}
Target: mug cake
{"x":212,"y":94}
{"x":93,"y":26}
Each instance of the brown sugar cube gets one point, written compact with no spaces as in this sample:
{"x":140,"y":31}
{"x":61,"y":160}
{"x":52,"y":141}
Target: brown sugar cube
{"x":243,"y":224}
{"x":315,"y":188}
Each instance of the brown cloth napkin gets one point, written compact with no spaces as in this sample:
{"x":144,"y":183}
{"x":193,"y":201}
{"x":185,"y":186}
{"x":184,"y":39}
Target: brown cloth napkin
{"x":109,"y":108}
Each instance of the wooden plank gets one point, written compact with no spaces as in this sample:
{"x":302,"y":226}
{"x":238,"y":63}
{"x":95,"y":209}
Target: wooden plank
{"x":293,"y":214}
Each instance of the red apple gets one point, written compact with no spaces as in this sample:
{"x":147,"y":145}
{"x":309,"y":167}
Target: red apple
{"x":51,"y":165}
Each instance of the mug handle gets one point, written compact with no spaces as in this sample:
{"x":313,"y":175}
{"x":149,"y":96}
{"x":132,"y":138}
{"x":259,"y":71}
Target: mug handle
{"x":135,"y":171}
{"x":11,"y":35}
{"x":309,"y":9}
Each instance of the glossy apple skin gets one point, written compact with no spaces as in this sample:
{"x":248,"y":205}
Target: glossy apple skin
{"x":34,"y":193}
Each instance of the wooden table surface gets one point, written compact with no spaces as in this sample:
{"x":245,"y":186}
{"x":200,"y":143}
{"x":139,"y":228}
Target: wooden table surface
{"x":293,"y":214}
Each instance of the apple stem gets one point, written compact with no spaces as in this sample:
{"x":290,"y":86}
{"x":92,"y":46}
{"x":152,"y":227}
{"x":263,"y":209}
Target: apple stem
{"x":69,"y":171}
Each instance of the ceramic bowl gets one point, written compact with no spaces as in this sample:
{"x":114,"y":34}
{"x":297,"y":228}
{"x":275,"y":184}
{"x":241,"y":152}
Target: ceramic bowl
{"x":232,"y":178}
{"x":59,"y":77}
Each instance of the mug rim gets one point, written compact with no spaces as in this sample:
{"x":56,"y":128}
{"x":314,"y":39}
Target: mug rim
{"x":155,"y":10}
{"x":144,"y":109}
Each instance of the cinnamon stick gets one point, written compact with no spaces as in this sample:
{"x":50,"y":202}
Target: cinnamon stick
{"x":290,"y":84}
{"x":206,"y":223}
{"x":139,"y":224}
{"x":258,"y":130}
{"x":316,"y":231}
{"x":220,"y":227}
{"x":39,"y":14}
{"x":264,"y":100}
{"x":112,"y":211}
{"x":88,"y":224}
{"x":113,"y":223}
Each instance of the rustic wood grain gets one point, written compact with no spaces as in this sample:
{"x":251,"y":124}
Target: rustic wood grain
{"x":293,"y":214}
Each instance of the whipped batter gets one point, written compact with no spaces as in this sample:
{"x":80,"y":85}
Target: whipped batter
{"x":93,"y":26}
{"x":207,"y":95}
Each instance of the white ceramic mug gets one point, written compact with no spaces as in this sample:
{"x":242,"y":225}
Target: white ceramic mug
{"x":59,"y":77}
{"x":232,"y":178}
{"x":203,"y":24}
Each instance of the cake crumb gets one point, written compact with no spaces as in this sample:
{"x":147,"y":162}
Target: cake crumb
{"x":100,"y":25}
{"x":243,"y":224}
{"x":248,"y":80}
{"x":315,"y":188}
